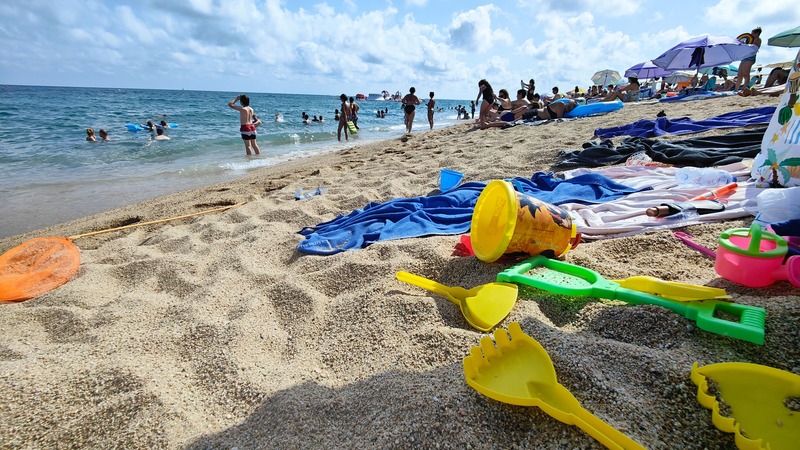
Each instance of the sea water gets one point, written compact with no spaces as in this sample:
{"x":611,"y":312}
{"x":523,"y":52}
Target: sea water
{"x":49,"y":173}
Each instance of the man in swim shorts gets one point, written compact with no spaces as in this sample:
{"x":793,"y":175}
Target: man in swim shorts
{"x":246,"y":126}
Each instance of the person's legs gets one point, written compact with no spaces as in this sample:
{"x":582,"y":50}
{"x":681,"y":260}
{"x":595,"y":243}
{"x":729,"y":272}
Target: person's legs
{"x":743,"y":74}
{"x":256,"y":149}
{"x":482,"y":115}
{"x":410,"y":123}
{"x":430,"y":118}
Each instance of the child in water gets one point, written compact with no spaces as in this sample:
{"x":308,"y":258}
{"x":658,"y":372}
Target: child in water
{"x":90,"y":135}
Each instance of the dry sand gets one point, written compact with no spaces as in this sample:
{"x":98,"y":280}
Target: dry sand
{"x":215,"y":332}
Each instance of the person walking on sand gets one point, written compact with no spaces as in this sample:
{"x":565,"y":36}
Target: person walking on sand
{"x":343,"y":118}
{"x":744,"y":67}
{"x":431,"y":104}
{"x":410,"y":102}
{"x":246,"y":126}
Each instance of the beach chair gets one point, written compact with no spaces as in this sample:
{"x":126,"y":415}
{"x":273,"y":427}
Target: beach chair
{"x":646,"y":93}
{"x":752,"y":82}
{"x":710,"y":84}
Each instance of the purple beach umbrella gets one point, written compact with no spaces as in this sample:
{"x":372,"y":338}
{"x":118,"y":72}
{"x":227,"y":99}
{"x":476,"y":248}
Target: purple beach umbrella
{"x":704,"y":51}
{"x":645,"y":70}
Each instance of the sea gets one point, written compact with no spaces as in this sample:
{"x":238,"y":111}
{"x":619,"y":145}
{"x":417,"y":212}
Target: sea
{"x":50,"y":174}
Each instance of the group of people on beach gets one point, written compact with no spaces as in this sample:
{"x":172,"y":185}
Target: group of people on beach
{"x":499,"y":110}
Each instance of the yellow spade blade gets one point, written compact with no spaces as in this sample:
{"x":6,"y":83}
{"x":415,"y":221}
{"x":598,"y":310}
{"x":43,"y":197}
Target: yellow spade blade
{"x":673,"y":290}
{"x":483,"y":306}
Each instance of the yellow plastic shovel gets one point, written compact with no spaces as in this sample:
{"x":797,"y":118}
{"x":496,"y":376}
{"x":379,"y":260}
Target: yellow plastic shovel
{"x":519,"y":371}
{"x":483,"y":306}
{"x":673,"y":290}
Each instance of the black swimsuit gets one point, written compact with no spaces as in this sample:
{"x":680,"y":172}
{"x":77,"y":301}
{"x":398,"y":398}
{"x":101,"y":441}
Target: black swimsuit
{"x":409,"y":108}
{"x":550,"y":112}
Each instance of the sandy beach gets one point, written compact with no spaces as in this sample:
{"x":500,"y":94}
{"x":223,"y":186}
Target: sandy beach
{"x":216,"y":332}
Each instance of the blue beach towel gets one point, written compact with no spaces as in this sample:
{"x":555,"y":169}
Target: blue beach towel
{"x":448,"y":213}
{"x":685,"y":125}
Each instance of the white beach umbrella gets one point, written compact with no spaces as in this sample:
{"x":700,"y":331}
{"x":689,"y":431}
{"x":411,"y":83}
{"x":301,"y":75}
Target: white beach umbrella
{"x":605,"y":77}
{"x":679,"y":76}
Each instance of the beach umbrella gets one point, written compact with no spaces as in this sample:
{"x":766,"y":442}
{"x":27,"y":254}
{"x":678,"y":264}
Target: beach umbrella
{"x":645,"y":70}
{"x":789,"y":38}
{"x":605,"y":77}
{"x":679,"y":76}
{"x":704,"y":51}
{"x":780,"y":64}
{"x":732,"y":70}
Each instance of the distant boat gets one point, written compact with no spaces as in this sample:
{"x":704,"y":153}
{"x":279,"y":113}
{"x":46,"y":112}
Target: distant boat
{"x":398,"y":97}
{"x":360,"y":97}
{"x":382,"y":97}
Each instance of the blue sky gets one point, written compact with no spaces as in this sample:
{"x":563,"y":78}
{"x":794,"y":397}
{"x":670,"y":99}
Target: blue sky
{"x":350,"y":46}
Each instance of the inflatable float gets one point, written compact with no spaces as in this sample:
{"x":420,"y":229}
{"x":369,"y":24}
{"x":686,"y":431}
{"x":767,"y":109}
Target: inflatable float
{"x":352,"y":127}
{"x":136,"y":127}
{"x":592,"y":108}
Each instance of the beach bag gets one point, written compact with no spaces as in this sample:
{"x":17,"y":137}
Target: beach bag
{"x":778,"y":163}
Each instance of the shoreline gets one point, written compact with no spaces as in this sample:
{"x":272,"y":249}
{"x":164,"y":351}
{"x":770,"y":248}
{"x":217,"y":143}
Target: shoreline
{"x":215,"y":331}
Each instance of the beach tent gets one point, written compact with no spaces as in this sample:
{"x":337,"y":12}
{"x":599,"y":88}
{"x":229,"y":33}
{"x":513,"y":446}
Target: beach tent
{"x":778,"y":163}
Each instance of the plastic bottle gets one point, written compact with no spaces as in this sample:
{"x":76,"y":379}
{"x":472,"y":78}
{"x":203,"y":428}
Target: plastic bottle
{"x":693,"y":176}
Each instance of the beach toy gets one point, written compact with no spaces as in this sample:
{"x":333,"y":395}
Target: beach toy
{"x":483,"y":306}
{"x":673,"y":290}
{"x":506,"y":221}
{"x":448,"y":179}
{"x":689,"y":241}
{"x":352,"y":127}
{"x":745,"y":38}
{"x":754,"y":257}
{"x":569,"y":279}
{"x":37,"y":266}
{"x":594,"y":108}
{"x":519,"y":371}
{"x":136,"y":127}
{"x":40,"y":265}
{"x":756,"y":397}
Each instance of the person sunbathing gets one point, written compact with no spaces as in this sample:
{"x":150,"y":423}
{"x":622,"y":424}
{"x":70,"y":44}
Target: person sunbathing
{"x":555,"y":110}
{"x":628,"y":93}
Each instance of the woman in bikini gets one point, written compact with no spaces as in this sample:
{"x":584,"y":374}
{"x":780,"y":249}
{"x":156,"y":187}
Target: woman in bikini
{"x":343,"y":118}
{"x":410,"y":102}
{"x":485,"y":91}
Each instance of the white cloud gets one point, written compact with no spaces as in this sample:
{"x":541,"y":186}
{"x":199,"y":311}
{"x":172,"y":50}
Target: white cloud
{"x":472,"y":30}
{"x":418,"y":3}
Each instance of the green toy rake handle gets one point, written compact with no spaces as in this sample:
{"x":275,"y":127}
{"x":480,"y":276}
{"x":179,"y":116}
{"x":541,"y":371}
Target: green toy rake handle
{"x":750,"y":326}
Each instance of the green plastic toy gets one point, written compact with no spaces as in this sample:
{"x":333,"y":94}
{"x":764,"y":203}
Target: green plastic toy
{"x":569,"y":279}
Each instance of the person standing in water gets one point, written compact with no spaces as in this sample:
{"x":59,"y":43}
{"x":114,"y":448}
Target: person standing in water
{"x":431,"y":104}
{"x":410,"y":102}
{"x":246,"y":126}
{"x":343,"y":118}
{"x":354,"y":112}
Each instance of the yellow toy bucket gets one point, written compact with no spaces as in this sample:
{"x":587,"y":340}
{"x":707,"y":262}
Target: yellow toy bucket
{"x":506,"y":221}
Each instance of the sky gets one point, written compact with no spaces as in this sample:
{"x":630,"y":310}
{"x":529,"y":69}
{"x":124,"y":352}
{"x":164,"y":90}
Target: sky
{"x":359,"y":46}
